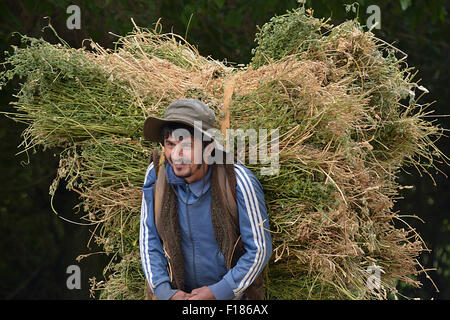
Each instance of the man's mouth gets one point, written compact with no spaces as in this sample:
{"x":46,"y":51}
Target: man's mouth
{"x":179,"y":165}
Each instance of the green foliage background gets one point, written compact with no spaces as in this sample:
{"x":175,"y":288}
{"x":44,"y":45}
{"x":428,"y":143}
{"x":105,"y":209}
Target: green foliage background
{"x":36,"y":246}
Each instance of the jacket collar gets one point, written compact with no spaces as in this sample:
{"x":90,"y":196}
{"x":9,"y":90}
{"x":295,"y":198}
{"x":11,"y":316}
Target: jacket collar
{"x":196,"y":186}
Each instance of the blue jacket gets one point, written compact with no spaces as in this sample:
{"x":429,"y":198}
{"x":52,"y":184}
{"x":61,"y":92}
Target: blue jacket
{"x":204,"y":264}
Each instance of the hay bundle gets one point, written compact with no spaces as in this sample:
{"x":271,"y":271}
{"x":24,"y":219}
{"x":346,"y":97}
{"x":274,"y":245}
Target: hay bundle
{"x":348,"y":121}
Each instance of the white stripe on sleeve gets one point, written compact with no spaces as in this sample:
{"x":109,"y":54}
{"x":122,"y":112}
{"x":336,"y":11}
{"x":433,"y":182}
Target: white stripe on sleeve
{"x":143,"y":235}
{"x":256,"y":222}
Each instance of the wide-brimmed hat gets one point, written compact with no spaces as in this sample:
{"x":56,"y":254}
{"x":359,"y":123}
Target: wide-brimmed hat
{"x":191,"y":112}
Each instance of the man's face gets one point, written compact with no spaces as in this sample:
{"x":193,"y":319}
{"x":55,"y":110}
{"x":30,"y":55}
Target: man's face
{"x":181,"y":151}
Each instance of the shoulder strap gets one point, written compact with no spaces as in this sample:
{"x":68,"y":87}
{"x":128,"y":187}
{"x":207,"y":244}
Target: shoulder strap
{"x":165,"y":204}
{"x":227,"y":186}
{"x":154,"y":157}
{"x":158,"y":189}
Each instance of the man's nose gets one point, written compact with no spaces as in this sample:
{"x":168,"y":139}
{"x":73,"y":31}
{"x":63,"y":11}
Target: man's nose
{"x":177,"y":153}
{"x":178,"y":150}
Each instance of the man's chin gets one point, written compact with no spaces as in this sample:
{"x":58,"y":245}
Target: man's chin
{"x":181,"y":172}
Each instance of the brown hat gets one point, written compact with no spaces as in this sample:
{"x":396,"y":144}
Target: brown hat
{"x":191,"y":112}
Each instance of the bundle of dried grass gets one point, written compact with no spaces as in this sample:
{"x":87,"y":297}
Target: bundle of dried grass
{"x":348,"y":121}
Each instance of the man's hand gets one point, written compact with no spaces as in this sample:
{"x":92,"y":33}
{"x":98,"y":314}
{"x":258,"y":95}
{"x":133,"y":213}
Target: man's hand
{"x":202,"y":293}
{"x":181,"y":295}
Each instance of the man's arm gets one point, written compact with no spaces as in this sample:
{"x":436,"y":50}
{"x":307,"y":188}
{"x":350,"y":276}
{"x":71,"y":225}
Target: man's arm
{"x":153,"y":259}
{"x":255,"y":235}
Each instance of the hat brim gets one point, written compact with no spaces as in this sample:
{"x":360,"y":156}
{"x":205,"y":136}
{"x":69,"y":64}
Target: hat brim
{"x":154,"y":125}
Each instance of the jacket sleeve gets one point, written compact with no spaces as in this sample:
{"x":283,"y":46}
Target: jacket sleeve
{"x":255,"y":235}
{"x":153,"y":259}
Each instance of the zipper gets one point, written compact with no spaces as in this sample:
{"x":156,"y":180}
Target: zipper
{"x":190,"y":233}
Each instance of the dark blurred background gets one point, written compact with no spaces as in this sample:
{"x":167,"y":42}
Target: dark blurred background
{"x":36,"y":246}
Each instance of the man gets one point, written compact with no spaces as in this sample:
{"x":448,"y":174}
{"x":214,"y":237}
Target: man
{"x":204,"y":230}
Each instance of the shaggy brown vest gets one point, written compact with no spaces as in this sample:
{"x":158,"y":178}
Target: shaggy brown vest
{"x":224,"y":216}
